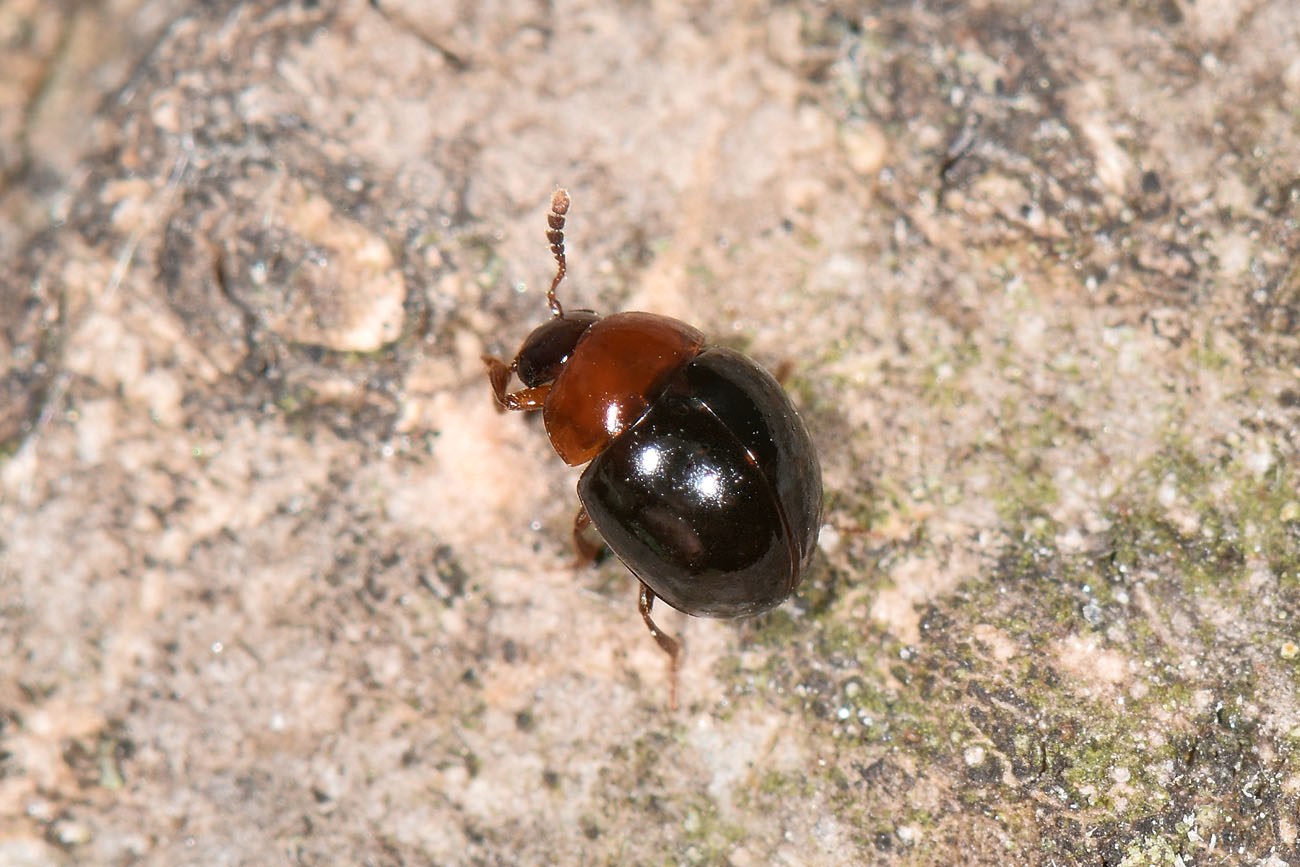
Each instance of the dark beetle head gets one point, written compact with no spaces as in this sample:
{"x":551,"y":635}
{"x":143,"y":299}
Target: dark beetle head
{"x":550,"y":345}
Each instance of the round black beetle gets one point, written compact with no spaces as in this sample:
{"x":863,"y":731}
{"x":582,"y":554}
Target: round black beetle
{"x":701,"y":478}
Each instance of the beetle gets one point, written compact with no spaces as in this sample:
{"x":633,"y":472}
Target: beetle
{"x":700,"y":476}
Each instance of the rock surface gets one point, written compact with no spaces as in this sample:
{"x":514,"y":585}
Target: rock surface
{"x":279,"y":584}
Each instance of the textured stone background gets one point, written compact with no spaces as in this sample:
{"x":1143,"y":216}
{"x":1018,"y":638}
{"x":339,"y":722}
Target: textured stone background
{"x":279,"y":585}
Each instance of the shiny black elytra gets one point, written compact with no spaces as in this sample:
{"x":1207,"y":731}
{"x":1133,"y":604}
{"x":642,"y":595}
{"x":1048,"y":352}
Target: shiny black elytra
{"x":700,"y":475}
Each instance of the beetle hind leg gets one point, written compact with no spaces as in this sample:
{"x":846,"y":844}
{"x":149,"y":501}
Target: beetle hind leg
{"x":667,"y":643}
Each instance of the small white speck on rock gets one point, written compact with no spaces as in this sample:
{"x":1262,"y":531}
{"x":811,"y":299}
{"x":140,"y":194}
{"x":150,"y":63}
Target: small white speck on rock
{"x":829,"y":539}
{"x":1260,"y":460}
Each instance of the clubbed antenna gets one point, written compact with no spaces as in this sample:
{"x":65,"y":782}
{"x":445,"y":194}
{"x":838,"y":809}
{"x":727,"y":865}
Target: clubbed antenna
{"x":555,"y":234}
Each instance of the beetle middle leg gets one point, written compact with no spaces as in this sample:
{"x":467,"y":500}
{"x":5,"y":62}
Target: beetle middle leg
{"x":526,"y":399}
{"x":670,"y":645}
{"x":585,"y":550}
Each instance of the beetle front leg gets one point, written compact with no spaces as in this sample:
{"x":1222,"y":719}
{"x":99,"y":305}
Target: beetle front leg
{"x":667,"y":643}
{"x":526,"y":399}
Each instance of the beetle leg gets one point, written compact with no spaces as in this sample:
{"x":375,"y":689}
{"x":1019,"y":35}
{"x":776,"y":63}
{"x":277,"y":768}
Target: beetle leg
{"x":524,"y":399}
{"x":670,"y":645}
{"x":585,"y":550}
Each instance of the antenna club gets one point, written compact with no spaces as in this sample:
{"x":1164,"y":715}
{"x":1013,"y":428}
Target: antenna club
{"x":560,"y":203}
